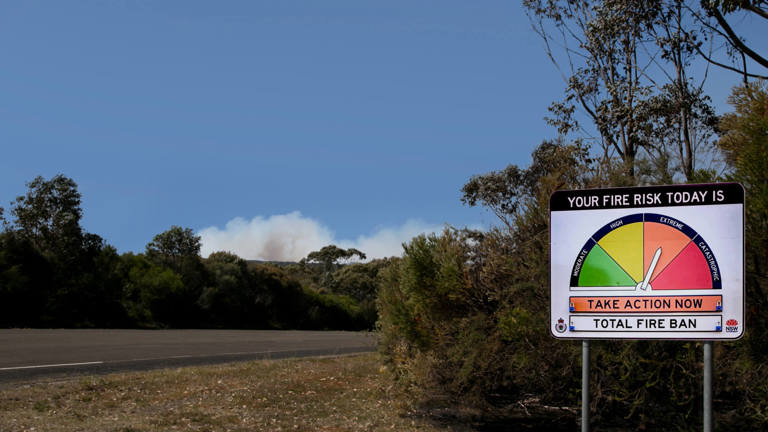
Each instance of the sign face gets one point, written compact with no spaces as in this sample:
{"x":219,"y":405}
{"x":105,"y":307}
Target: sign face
{"x":662,"y":262}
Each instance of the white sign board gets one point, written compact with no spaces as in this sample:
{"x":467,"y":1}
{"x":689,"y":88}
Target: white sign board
{"x":662,"y":262}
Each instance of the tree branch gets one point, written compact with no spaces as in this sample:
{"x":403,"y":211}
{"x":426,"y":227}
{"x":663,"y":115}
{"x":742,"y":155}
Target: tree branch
{"x":725,"y":66}
{"x":756,"y":10}
{"x":734,"y":39}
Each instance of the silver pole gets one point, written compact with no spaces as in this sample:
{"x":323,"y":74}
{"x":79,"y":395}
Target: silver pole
{"x":585,"y":386}
{"x":708,"y":386}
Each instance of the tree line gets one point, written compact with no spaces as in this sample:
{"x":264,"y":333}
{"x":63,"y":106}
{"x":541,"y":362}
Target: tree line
{"x":53,"y":273}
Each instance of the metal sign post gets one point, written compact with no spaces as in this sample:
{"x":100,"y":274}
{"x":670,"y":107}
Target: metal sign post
{"x":707,"y":386}
{"x":585,"y":386}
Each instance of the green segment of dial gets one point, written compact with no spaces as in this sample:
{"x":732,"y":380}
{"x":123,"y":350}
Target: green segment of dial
{"x":599,"y":269}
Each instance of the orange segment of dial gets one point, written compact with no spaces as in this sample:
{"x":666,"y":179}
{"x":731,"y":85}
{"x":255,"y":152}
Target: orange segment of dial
{"x":625,"y":246}
{"x":671,"y":241}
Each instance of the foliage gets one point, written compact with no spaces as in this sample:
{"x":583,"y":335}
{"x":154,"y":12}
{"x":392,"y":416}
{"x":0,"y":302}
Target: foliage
{"x":745,"y":144}
{"x":347,"y":285}
{"x":56,"y":274}
{"x":464,"y":314}
{"x":330,"y":311}
{"x":331,"y":256}
{"x":147,"y":291}
{"x":53,"y":273}
{"x":360,"y":282}
{"x":48,"y":216}
{"x":172,"y":247}
{"x":178,"y":249}
{"x":231,"y":298}
{"x":25,"y":282}
{"x":628,"y":74}
{"x":453,"y":321}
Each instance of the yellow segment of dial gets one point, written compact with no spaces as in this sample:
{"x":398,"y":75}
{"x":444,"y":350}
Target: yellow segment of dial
{"x":625,"y":246}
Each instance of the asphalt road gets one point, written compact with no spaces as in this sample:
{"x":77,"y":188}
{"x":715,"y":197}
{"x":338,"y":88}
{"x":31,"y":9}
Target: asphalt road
{"x":34,"y":354}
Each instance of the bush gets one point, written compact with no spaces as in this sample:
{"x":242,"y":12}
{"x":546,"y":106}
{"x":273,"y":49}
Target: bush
{"x":465,"y":315}
{"x":447,"y":311}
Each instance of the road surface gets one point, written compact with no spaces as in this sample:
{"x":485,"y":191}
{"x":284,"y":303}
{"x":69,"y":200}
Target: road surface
{"x":34,"y":354}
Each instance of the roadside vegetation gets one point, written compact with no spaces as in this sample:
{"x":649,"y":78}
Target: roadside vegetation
{"x":55,"y":274}
{"x":464,"y":315}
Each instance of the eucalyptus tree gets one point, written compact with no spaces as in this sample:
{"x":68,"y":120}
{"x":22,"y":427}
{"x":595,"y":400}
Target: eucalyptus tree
{"x":628,"y":88}
{"x":680,"y":118}
{"x":331,"y":256}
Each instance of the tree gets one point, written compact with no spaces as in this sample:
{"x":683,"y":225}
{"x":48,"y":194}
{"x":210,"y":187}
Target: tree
{"x":172,"y":246}
{"x":603,"y":42}
{"x":26,"y":283}
{"x":360,"y":281}
{"x":744,"y":142}
{"x":461,"y":313}
{"x":178,"y":249}
{"x":47,"y":221}
{"x":331,"y":256}
{"x":49,"y":216}
{"x":284,"y":298}
{"x":232,"y":298}
{"x":681,"y":120}
{"x":510,"y":192}
{"x":627,"y":64}
{"x":149,"y":292}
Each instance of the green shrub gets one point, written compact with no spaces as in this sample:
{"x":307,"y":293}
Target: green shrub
{"x":466,"y":315}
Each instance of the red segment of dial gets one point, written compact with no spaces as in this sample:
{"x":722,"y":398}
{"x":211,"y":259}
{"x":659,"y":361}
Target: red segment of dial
{"x":689,"y":270}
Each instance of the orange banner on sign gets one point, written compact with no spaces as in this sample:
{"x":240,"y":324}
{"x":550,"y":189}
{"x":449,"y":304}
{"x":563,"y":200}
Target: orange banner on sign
{"x":703,"y":303}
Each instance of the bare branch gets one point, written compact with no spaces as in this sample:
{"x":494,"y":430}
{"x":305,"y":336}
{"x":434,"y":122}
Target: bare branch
{"x":759,"y":11}
{"x":725,"y":66}
{"x":735,"y":40}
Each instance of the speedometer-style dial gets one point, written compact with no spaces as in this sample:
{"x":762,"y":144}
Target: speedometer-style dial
{"x":646,"y":251}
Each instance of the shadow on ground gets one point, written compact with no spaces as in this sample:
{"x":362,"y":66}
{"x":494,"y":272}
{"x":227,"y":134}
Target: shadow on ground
{"x":520,"y":417}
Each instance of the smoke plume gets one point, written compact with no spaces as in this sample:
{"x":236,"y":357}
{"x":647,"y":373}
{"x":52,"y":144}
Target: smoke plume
{"x":290,"y":237}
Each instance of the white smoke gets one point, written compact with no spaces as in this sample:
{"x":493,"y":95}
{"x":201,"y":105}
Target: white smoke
{"x":290,"y":237}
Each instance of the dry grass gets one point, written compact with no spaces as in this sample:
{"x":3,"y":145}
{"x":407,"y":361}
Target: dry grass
{"x":330,"y":394}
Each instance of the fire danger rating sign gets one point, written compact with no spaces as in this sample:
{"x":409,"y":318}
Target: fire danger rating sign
{"x":662,"y":262}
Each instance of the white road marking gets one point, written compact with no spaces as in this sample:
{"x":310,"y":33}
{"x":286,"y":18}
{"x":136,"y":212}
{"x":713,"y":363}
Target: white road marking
{"x":239,"y":353}
{"x":51,"y":365}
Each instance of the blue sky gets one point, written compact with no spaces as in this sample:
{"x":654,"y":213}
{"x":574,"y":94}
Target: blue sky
{"x":340,"y":121}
